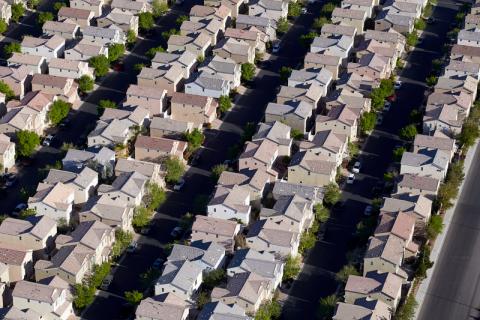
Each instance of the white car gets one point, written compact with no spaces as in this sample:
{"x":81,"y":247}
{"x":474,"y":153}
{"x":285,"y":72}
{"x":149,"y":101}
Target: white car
{"x":179,"y":185}
{"x":356,"y":167}
{"x":276,"y":46}
{"x":397,"y":85}
{"x":368,"y":210}
{"x":351,"y":178}
{"x":387,"y":106}
{"x":304,"y":10}
{"x":48,"y":139}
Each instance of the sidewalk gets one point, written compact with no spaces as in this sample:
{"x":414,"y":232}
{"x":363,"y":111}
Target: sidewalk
{"x":437,"y":247}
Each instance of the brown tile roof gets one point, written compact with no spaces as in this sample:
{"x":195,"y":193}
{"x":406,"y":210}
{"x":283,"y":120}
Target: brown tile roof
{"x":12,"y":256}
{"x":212,"y":225}
{"x":49,"y":81}
{"x":189,"y":99}
{"x":74,"y":13}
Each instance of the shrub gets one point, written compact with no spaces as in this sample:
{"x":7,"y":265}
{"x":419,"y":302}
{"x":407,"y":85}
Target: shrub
{"x":27,"y":141}
{"x":407,"y":310}
{"x":85,"y":83}
{"x":145,"y":21}
{"x":83,"y":295}
{"x":141,"y":217}
{"x":214,"y":278}
{"x":217,"y":170}
{"x":326,"y":307}
{"x":224,"y":104}
{"x":58,"y":111}
{"x":269,"y":311}
{"x":18,"y":10}
{"x":318,"y":23}
{"x":6,"y":90}
{"x":115,"y":51}
{"x":181,"y":19}
{"x":434,"y":227}
{"x":12,"y":47}
{"x":159,"y":8}
{"x":44,"y":17}
{"x":322,"y":214}
{"x":420,"y":24}
{"x":409,"y":132}
{"x":291,"y":268}
{"x":107,"y":104}
{"x":155,"y":196}
{"x":307,"y":39}
{"x":175,"y":170}
{"x":294,"y":9}
{"x":327,"y":9}
{"x":368,"y":121}
{"x":152,"y":51}
{"x":282,"y":26}
{"x":398,"y":153}
{"x":100,"y":64}
{"x":285,"y":73}
{"x":345,"y":272}
{"x":331,"y":194}
{"x":133,"y":297}
{"x":307,"y":241}
{"x":122,"y":240}
{"x":248,"y":71}
{"x":194,"y":139}
{"x":131,"y":37}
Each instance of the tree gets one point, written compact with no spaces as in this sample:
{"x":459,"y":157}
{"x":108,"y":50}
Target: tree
{"x":296,"y":134}
{"x":202,"y":299}
{"x":294,"y":9}
{"x":269,"y":311}
{"x":3,"y":26}
{"x":412,"y":38}
{"x":248,"y":71}
{"x":146,"y":21}
{"x":368,"y":121}
{"x":345,"y":272}
{"x":326,"y":307}
{"x":99,"y":273}
{"x":152,"y":51}
{"x":434,"y":227}
{"x":407,"y":310}
{"x":353,"y":149}
{"x":32,"y":4}
{"x":107,"y":104}
{"x":398,"y":153}
{"x":181,"y":19}
{"x":431,"y":80}
{"x":420,"y":24}
{"x":83,"y":296}
{"x":285,"y":73}
{"x":58,"y":5}
{"x":327,"y":9}
{"x":58,"y":111}
{"x":214,"y":278}
{"x":408,"y":133}
{"x":141,"y":217}
{"x":27,"y":141}
{"x":423,"y":263}
{"x":331,"y":194}
{"x":291,"y":268}
{"x":115,"y":51}
{"x":307,"y":39}
{"x":17,"y":11}
{"x":307,"y":241}
{"x":85,"y":83}
{"x":133,"y":297}
{"x":138,"y":67}
{"x":322,"y":214}
{"x":122,"y":240}
{"x":29,"y":212}
{"x":282,"y":26}
{"x":101,"y":65}
{"x":167,"y":34}
{"x":155,"y":196}
{"x":224,"y":104}
{"x":6,"y":90}
{"x":469,"y":134}
{"x":44,"y":17}
{"x":131,"y":37}
{"x":318,"y":23}
{"x":159,"y":8}
{"x":175,"y":170}
{"x":194,"y":138}
{"x":186,"y":221}
{"x":12,"y":47}
{"x":217,"y":170}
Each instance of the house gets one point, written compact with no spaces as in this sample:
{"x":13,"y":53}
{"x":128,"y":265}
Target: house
{"x":137,"y":117}
{"x":66,"y":29}
{"x":84,"y":50}
{"x":84,"y":182}
{"x":246,"y":290}
{"x":237,"y":50}
{"x":468,"y":38}
{"x":49,"y":301}
{"x":290,"y":213}
{"x":219,"y":310}
{"x":390,"y":36}
{"x":193,"y":108}
{"x":165,"y":127}
{"x":280,"y":243}
{"x":204,"y":84}
{"x":341,"y":120}
{"x":157,"y":307}
{"x":284,"y":188}
{"x":311,"y":169}
{"x":257,"y":181}
{"x":37,"y":64}
{"x":183,"y":278}
{"x":338,"y":30}
{"x":221,"y":13}
{"x":156,"y":149}
{"x":350,"y":17}
{"x":444,"y":119}
{"x":152,"y":171}
{"x":113,"y":212}
{"x":385,"y":253}
{"x":277,"y":132}
{"x":461,"y":102}
{"x":400,"y":225}
{"x":34,"y":233}
{"x":63,"y":87}
{"x":272,"y":9}
{"x":51,"y":47}
{"x":260,"y":154}
{"x":18,"y":79}
{"x":224,"y":68}
{"x":149,"y":98}
{"x":386,"y":50}
{"x":210,"y":27}
{"x":101,"y":159}
{"x":263,"y":24}
{"x":208,"y":256}
{"x":430,"y":143}
{"x":125,"y":20}
{"x":69,"y":68}
{"x":416,"y":205}
{"x":230,"y":204}
{"x":5,"y":11}
{"x":389,"y":18}
{"x":465,"y":53}
{"x":432,"y":164}
{"x":327,"y":143}
{"x":129,"y":187}
{"x":82,"y":17}
{"x":135,"y":7}
{"x":94,"y":235}
{"x":310,"y":94}
{"x":364,"y":309}
{"x":210,"y":229}
{"x":462,"y":68}
{"x":294,"y":114}
{"x":318,"y":61}
{"x":17,"y":119}
{"x":104,"y":36}
{"x":262,"y":263}
{"x":386,"y":287}
{"x":117,"y":132}
{"x":333,"y":46}
{"x":53,"y":201}
{"x":372,"y":65}
{"x":418,"y":185}
{"x":18,"y":262}
{"x":96,"y":6}
{"x":457,"y":86}
{"x":197,"y":44}
{"x":7,"y":153}
{"x":251,"y":37}
{"x":185,"y":60}
{"x":304,"y":78}
{"x":167,"y":78}
{"x":362,"y":5}
{"x":233,"y":5}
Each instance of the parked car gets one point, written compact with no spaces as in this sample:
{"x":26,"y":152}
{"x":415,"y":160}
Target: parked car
{"x":368,"y":210}
{"x":351,"y":178}
{"x":47,"y":141}
{"x":387,"y":106}
{"x":276,"y":46}
{"x":18,"y":209}
{"x":132,"y":247}
{"x":304,"y":11}
{"x":158,"y":263}
{"x":10,"y":180}
{"x":397,"y":85}
{"x":179,"y":185}
{"x":106,"y":282}
{"x":356,"y":167}
{"x":176,"y":232}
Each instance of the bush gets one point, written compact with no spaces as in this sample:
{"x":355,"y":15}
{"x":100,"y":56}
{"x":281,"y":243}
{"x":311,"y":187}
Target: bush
{"x":407,"y":310}
{"x":100,"y":64}
{"x":83,"y":295}
{"x":169,"y":33}
{"x":195,"y":139}
{"x":107,"y":104}
{"x":282,"y":26}
{"x":44,"y":17}
{"x":115,"y":51}
{"x":434,"y":227}
{"x":431,"y":81}
{"x":175,"y":170}
{"x":291,"y":268}
{"x":3,"y":26}
{"x":345,"y":272}
{"x":152,"y":51}
{"x":224,"y":104}
{"x":420,"y":24}
{"x":17,"y":11}
{"x":58,"y":5}
{"x":318,"y":23}
{"x":285,"y":73}
{"x":202,"y":299}
{"x":294,"y":9}
{"x":122,"y":240}
{"x":32,"y":4}
{"x":29,"y":212}
{"x":322,"y":214}
{"x":307,"y":241}
{"x":159,"y":8}
{"x":131,"y":37}
{"x":145,"y":21}
{"x":327,"y":9}
{"x":269,"y":311}
{"x":398,"y":153}
{"x":214,"y":278}
{"x":85,"y":83}
{"x":368,"y":121}
{"x":217,"y":170}
{"x":423,"y":263}
{"x":181,"y":19}
{"x":6,"y":90}
{"x":331,"y":194}
{"x":408,"y":133}
{"x":326,"y":307}
{"x":133,"y":297}
{"x":10,"y":48}
{"x":353,"y":149}
{"x":58,"y":111}
{"x":307,"y":39}
{"x":248,"y":71}
{"x":99,"y":273}
{"x":412,"y":38}
{"x":141,"y":217}
{"x":469,"y":134}
{"x":155,"y":196}
{"x":27,"y":141}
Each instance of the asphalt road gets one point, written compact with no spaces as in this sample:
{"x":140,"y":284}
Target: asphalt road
{"x":317,"y":278}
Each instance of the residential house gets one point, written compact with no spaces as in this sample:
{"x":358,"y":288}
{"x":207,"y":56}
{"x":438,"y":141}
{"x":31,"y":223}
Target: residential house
{"x":182,"y":278}
{"x":237,"y":50}
{"x":327,"y":143}
{"x":84,"y":50}
{"x":444,"y":119}
{"x":204,"y":84}
{"x":277,"y":132}
{"x":390,"y":37}
{"x":168,"y":78}
{"x":113,"y":212}
{"x":251,"y":37}
{"x":341,"y":120}
{"x":149,"y":98}
{"x":104,"y":36}
{"x":386,"y":50}
{"x":7,"y":153}
{"x":69,"y":68}
{"x":211,"y":28}
{"x":96,"y":6}
{"x":221,"y":13}
{"x":198,"y":44}
{"x":219,"y":310}
{"x":400,"y":225}
{"x":84,"y":182}
{"x":210,"y":229}
{"x":18,"y":262}
{"x":294,"y":114}
{"x":260,"y":154}
{"x":209,"y":256}
{"x":134,"y":7}
{"x":157,"y":307}
{"x":333,"y":46}
{"x":82,"y":17}
{"x":18,"y":79}
{"x":125,"y":20}
{"x":372,"y":65}
{"x":230,"y":204}
{"x":152,"y":171}
{"x":310,"y":93}
{"x":37,"y":64}
{"x":461,"y":102}
{"x":273,"y":240}
{"x":53,"y":201}
{"x":311,"y":169}
{"x":338,"y":30}
{"x":304,"y":78}
{"x":186,"y":61}
{"x":389,"y":18}
{"x":363,"y":308}
{"x":233,"y":5}
{"x":284,"y":188}
{"x":224,"y":68}
{"x":156,"y":149}
{"x":129,"y":187}
{"x":17,"y":119}
{"x":418,"y":206}
{"x":290,"y":213}
{"x":350,"y":17}
{"x":418,"y":185}
{"x":318,"y":61}
{"x":64,"y":88}
{"x":170,"y":128}
{"x":456,"y":86}
{"x":427,"y":163}
{"x":465,"y":53}
{"x":272,"y":9}
{"x":193,"y":108}
{"x":469,"y":38}
{"x":385,"y":253}
{"x":101,"y":160}
{"x":263,"y":24}
{"x":362,"y":5}
{"x":457,"y":68}
{"x":430,"y":143}
{"x":66,"y":29}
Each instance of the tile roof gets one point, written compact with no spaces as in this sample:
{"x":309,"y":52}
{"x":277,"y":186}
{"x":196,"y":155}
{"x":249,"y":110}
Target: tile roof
{"x":414,"y":181}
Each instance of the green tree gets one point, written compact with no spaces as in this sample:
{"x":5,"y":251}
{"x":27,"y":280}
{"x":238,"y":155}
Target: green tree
{"x":155,"y":196}
{"x":138,"y":67}
{"x":167,"y":34}
{"x":159,"y":8}
{"x":186,"y":221}
{"x":296,"y":134}
{"x":27,"y":141}
{"x":294,"y":9}
{"x":327,"y":9}
{"x":29,"y":212}
{"x":431,"y":80}
{"x":58,"y":5}
{"x":407,"y":310}
{"x":83,"y":295}
{"x":133,"y":297}
{"x":224,"y":104}
{"x":141,"y":217}
{"x":434,"y":227}
{"x":408,"y":133}
{"x":307,"y":241}
{"x":99,"y":273}
{"x":107,"y":104}
{"x":420,"y":24}
{"x":469,"y":134}
{"x":423,"y":263}
{"x":214,"y":278}
{"x":318,"y":23}
{"x":131,"y":37}
{"x":194,"y":138}
{"x":326,"y":307}
{"x":175,"y":169}
{"x":6,"y":90}
{"x":181,"y":19}
{"x":85,"y":83}
{"x":345,"y":272}
{"x":18,"y":10}
{"x":152,"y":51}
{"x":217,"y":170}
{"x":58,"y":111}
{"x":307,"y":39}
{"x":100,"y":64}
{"x":269,"y":311}
{"x":146,"y":21}
{"x":282,"y":26}
{"x":3,"y":26}
{"x":44,"y":17}
{"x":248,"y":71}
{"x":368,"y":121}
{"x":291,"y":268}
{"x":32,"y":4}
{"x":412,"y":38}
{"x":202,"y":299}
{"x":115,"y":51}
{"x":398,"y":153}
{"x":285,"y":73}
{"x":353,"y":149}
{"x":12,"y":47}
{"x":331,"y":194}
{"x":122,"y":240}
{"x":322,"y":214}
